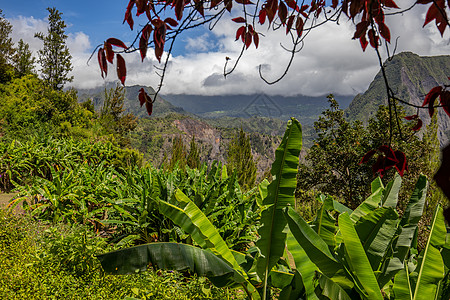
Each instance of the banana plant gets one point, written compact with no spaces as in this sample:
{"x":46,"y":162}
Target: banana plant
{"x":254,"y":273}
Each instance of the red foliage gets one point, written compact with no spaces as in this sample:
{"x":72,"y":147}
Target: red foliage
{"x":145,"y":99}
{"x":387,"y":159}
{"x":444,"y":99}
{"x":121,"y":69}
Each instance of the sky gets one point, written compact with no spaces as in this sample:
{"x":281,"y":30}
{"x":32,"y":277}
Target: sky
{"x":329,"y":62}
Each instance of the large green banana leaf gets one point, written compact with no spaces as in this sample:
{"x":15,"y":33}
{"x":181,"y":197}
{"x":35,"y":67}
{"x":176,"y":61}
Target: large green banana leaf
{"x":280,"y":193}
{"x":375,"y":231}
{"x":324,"y":223}
{"x":394,"y":258}
{"x":194,"y":222}
{"x":303,"y":265}
{"x":331,"y":289}
{"x":371,"y":203}
{"x":430,"y":268}
{"x":171,"y":256}
{"x":402,"y":285}
{"x":315,"y":247}
{"x":357,"y":259}
{"x":391,"y":191}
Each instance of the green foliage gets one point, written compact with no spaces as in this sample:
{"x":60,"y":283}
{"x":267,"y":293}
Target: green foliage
{"x":70,"y":248}
{"x":240,"y":159}
{"x":50,"y":159}
{"x":54,"y":57}
{"x":31,"y":269}
{"x":23,"y":61}
{"x":332,"y":165}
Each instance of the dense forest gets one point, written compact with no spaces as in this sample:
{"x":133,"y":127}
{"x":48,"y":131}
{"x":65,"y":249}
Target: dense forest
{"x":191,"y":207}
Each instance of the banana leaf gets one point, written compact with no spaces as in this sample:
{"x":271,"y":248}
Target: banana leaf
{"x":394,"y":258}
{"x":171,"y":256}
{"x":331,"y":289}
{"x":314,"y":246}
{"x":324,"y":225}
{"x":390,"y":197}
{"x":430,"y":267}
{"x":357,"y":260}
{"x":280,"y":193}
{"x":194,"y":222}
{"x":402,"y":285}
{"x":303,"y":265}
{"x":371,"y":203}
{"x":375,"y":231}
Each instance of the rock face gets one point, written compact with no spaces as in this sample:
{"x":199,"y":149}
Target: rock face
{"x":411,"y":77}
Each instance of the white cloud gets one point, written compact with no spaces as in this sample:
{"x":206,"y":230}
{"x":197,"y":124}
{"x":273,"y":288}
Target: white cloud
{"x":330,"y":60}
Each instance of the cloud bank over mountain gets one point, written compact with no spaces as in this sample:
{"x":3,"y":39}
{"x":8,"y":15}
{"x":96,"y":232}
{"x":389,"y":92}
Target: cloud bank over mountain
{"x":329,"y":62}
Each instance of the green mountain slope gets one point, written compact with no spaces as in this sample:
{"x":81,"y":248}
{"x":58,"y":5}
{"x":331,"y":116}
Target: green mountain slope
{"x":131,"y":102}
{"x":411,"y":77}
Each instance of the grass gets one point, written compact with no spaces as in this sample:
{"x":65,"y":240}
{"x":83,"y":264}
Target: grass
{"x":29,"y":269}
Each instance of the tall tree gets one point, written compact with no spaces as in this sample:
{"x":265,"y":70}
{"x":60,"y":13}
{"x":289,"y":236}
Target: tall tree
{"x":23,"y":61}
{"x":6,"y":49}
{"x":54,"y":57}
{"x":240,"y":159}
{"x":178,"y":153}
{"x":193,"y":158}
{"x":112,"y":115}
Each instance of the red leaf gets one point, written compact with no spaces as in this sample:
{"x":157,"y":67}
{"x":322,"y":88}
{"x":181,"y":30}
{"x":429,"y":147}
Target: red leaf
{"x":143,"y":97}
{"x":248,"y":40}
{"x":299,"y":26}
{"x":240,"y":33}
{"x":282,"y":12}
{"x":412,"y":117}
{"x":109,"y":52}
{"x":128,"y":17}
{"x":143,"y":44}
{"x":116,"y":42}
{"x":361,"y":29}
{"x":159,"y":49}
{"x":363,"y":42}
{"x":431,"y":14}
{"x":378,"y":166}
{"x":228,"y":4}
{"x":199,"y":7}
{"x":102,"y":62}
{"x":334,"y":3}
{"x":390,"y":3}
{"x":171,"y":22}
{"x":445,"y":101}
{"x":141,"y":6}
{"x":388,"y":152}
{"x":262,"y":16}
{"x":292,"y":4}
{"x":373,"y":38}
{"x":418,"y":125}
{"x":179,"y":7}
{"x":432,"y":95}
{"x":121,"y":69}
{"x":256,"y":39}
{"x":367,"y":156}
{"x":401,"y":165}
{"x":384,"y":32}
{"x":290,"y":22}
{"x":238,"y":20}
{"x":146,"y":31}
{"x":214,"y":3}
{"x":149,"y":107}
